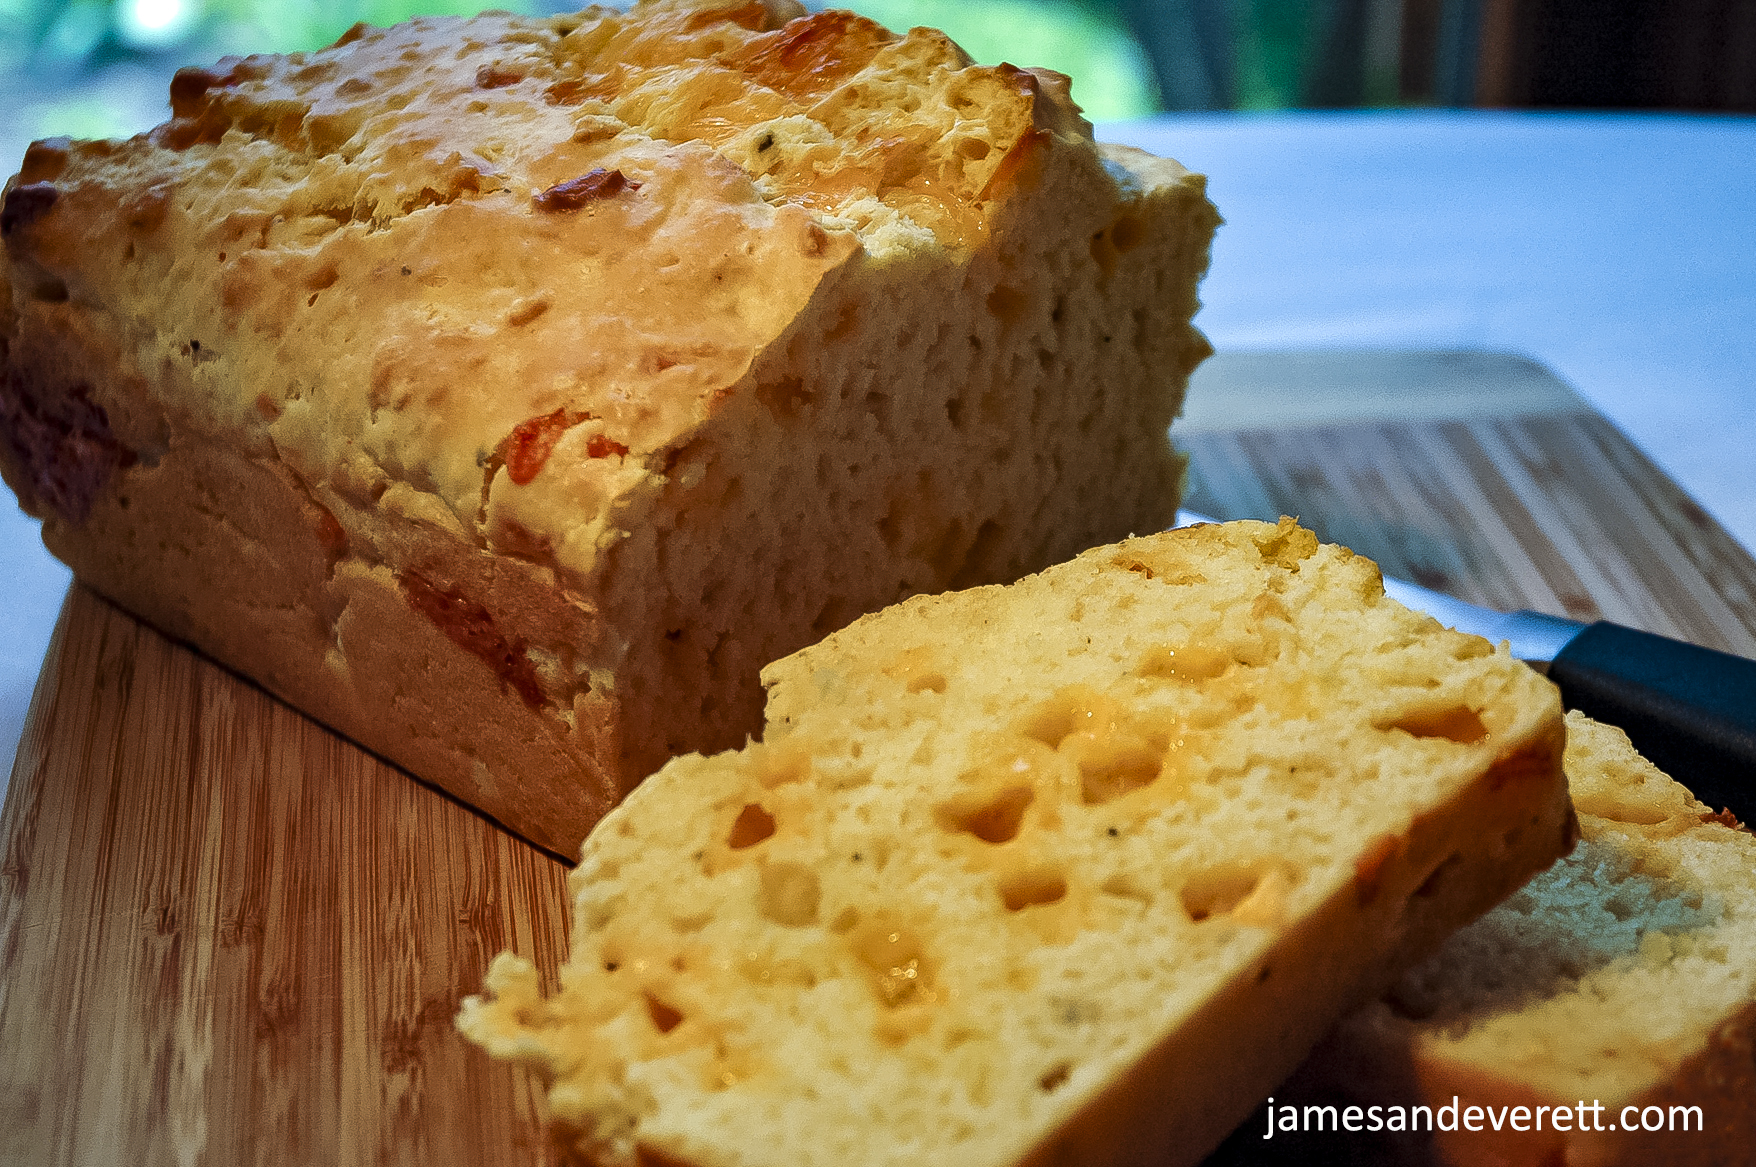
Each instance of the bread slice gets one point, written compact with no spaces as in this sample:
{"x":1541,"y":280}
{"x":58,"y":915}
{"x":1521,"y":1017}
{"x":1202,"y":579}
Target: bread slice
{"x":1072,"y":871}
{"x":507,"y":392}
{"x":1624,"y":976}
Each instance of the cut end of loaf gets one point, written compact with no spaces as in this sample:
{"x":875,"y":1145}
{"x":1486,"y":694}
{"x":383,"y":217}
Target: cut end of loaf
{"x":1056,"y":868}
{"x":964,"y":424}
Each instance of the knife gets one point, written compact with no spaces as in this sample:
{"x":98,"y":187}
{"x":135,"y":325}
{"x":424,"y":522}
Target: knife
{"x":1690,"y":710}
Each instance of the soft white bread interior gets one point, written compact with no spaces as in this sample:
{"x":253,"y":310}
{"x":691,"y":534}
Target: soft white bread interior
{"x":1624,"y":976}
{"x":1071,"y":871}
{"x":506,"y":392}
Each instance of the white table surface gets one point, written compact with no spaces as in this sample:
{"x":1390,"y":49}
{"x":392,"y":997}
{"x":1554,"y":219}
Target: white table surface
{"x":1618,"y":250}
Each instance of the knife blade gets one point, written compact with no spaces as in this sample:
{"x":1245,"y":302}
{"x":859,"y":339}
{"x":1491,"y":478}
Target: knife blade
{"x":1691,"y":710}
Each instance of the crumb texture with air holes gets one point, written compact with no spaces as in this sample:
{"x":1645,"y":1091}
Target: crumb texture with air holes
{"x":1626,"y":973}
{"x":1068,"y":868}
{"x":565,"y":371}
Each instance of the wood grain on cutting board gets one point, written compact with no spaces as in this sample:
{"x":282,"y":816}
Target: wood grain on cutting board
{"x":227,"y":936}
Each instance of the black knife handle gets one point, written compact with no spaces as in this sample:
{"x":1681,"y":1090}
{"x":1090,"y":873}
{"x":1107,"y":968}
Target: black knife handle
{"x":1690,"y":710}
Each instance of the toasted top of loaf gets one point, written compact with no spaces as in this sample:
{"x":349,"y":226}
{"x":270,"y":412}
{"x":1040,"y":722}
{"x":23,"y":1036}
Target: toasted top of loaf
{"x":1009,"y":857}
{"x":1611,"y":970}
{"x":427,"y":262}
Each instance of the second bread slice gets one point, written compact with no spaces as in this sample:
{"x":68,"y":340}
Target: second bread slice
{"x":1605,"y":1016}
{"x":1072,"y":871}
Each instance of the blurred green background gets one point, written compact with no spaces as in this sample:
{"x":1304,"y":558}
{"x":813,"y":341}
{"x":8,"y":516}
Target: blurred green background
{"x":99,"y":67}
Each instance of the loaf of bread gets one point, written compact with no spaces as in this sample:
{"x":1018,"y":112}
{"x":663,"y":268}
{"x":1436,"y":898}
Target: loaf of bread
{"x":1071,"y":871}
{"x":507,"y":392}
{"x":1622,"y":980}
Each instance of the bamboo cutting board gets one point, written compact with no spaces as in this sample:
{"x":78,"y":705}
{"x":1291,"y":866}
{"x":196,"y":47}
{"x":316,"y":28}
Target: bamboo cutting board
{"x":228,"y":936}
